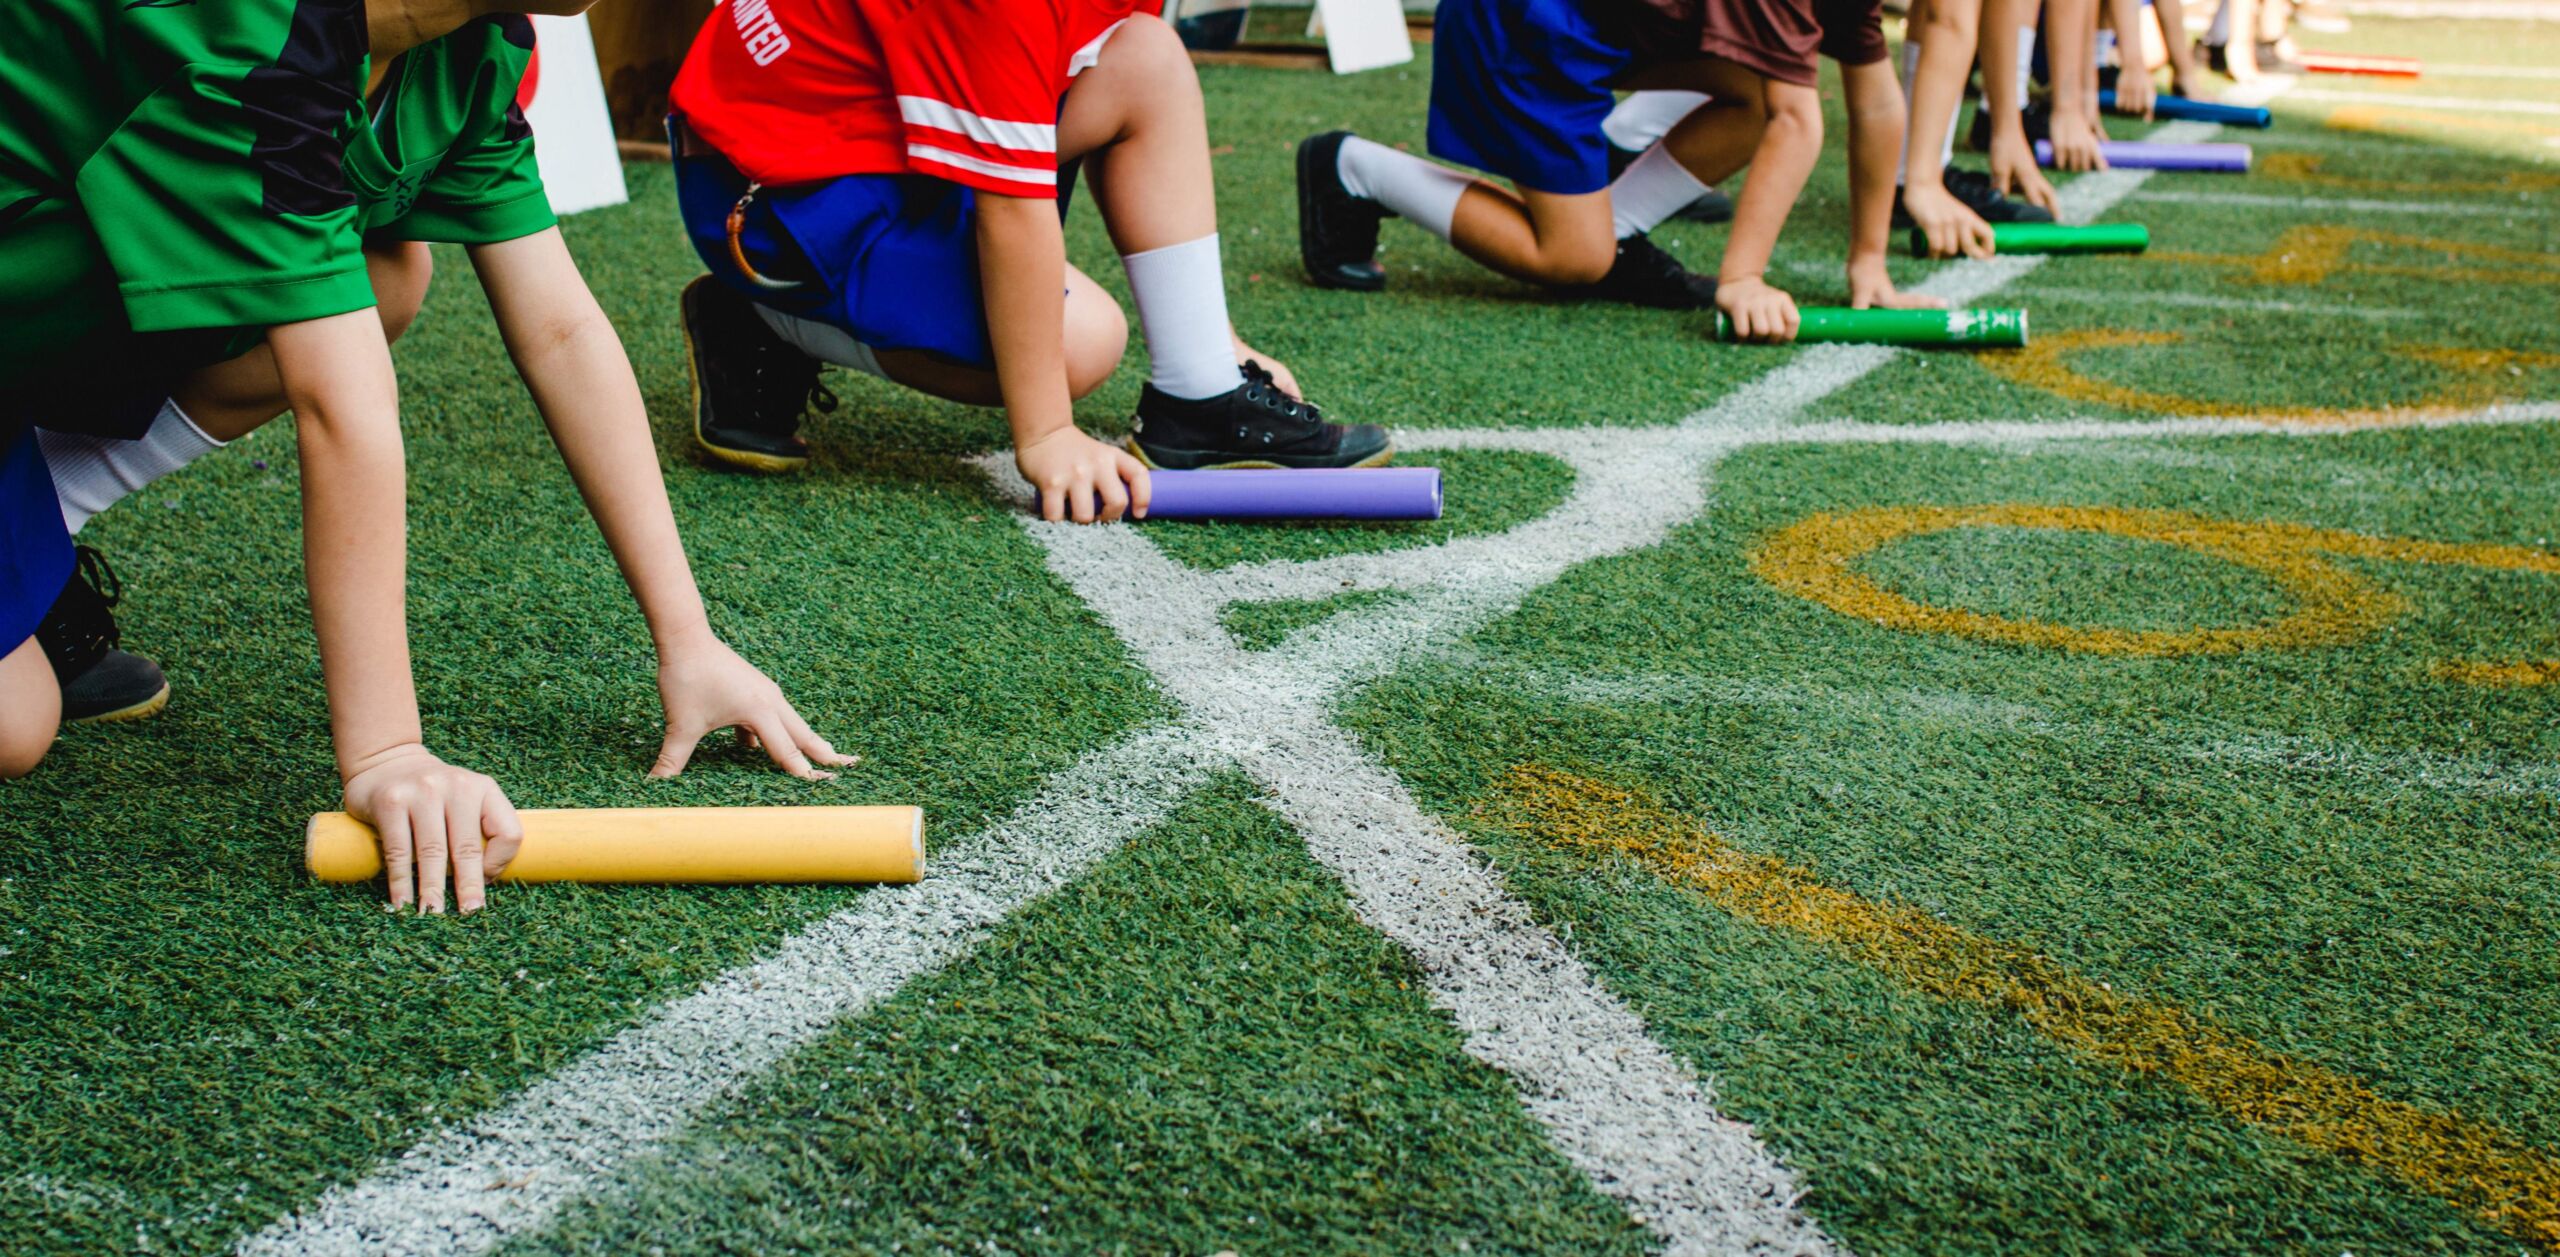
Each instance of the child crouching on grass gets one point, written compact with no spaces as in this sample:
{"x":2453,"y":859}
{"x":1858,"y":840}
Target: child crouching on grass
{"x":879,"y":184}
{"x":1522,"y":88}
{"x":212,"y":192}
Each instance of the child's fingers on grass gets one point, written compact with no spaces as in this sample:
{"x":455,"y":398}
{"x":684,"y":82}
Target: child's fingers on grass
{"x":676,"y":751}
{"x":1053,"y":505}
{"x":1114,"y":496}
{"x":505,"y":833}
{"x":775,"y":737}
{"x":398,"y":857}
{"x":818,"y":749}
{"x":433,"y":851}
{"x":1141,"y":487}
{"x":462,"y":814}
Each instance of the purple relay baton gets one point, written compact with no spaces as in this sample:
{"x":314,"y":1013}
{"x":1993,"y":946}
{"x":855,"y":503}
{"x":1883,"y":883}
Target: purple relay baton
{"x":1315,"y":493}
{"x":2141,"y":155}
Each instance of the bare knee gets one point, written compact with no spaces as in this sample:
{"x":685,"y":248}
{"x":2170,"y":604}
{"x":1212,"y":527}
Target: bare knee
{"x":400,"y":272}
{"x":1580,"y":261}
{"x":1146,"y":45}
{"x":1097,"y":338}
{"x":34,"y":706}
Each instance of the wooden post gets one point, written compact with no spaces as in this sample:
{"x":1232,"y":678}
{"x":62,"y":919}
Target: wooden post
{"x":639,"y":44}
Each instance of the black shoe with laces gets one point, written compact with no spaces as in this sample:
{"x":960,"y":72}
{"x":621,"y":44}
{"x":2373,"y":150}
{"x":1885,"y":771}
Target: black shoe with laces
{"x":2035,"y":118}
{"x":1337,"y":232}
{"x":1644,"y":275}
{"x":1974,"y":189}
{"x":750,"y":386}
{"x":1252,"y":425}
{"x":100,"y":684}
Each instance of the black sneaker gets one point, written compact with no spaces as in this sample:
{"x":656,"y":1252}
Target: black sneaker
{"x":1712,"y":205}
{"x":1974,"y":189}
{"x":1253,"y":425}
{"x":1644,"y":275}
{"x":750,"y":386}
{"x":1337,"y":232}
{"x":100,"y":684}
{"x":2037,"y":119}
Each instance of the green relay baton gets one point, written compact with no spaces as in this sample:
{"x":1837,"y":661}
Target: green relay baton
{"x":2055,"y":238}
{"x":1986,"y":329}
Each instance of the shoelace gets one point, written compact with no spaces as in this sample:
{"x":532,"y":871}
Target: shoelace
{"x":93,"y":571}
{"x":1262,"y":391}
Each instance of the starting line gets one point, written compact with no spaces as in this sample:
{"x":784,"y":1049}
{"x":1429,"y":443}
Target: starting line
{"x":1632,"y":1116}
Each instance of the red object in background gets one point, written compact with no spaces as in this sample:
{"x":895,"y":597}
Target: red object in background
{"x":532,"y":79}
{"x":2348,"y":63}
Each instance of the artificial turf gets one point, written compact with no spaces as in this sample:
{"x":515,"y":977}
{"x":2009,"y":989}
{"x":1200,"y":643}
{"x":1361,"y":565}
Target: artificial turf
{"x":2334,"y":851}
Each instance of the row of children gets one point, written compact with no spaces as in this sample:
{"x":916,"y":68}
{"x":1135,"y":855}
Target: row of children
{"x":1529,"y":90}
{"x":213,"y":214}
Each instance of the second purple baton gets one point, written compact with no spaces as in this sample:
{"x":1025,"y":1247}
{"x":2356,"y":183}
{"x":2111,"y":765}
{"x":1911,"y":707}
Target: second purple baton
{"x":2141,"y":155}
{"x":1378,"y":493}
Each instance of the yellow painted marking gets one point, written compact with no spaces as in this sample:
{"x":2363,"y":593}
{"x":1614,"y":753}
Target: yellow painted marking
{"x":2530,"y":672}
{"x":2306,"y":168}
{"x":2311,"y":253}
{"x":2480,"y":377}
{"x":2474,"y":1165}
{"x":1816,"y":558}
{"x":2400,"y":120}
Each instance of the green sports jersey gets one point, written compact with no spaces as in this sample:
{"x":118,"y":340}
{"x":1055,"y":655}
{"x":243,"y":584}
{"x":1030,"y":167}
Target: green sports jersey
{"x":178,"y":175}
{"x":446,"y":154}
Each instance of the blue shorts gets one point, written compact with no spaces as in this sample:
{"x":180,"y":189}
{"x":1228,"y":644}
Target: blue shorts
{"x":35,"y":549}
{"x":891,"y":259}
{"x":1519,"y":89}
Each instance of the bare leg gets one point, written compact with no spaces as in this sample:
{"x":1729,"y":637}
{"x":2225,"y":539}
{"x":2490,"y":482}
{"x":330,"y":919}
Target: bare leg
{"x":30,"y":709}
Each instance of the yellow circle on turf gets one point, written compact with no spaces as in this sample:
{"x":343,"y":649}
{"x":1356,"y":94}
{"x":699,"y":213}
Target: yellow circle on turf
{"x":1816,"y":558}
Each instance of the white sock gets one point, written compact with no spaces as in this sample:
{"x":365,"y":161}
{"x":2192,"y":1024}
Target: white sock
{"x":1644,"y":117}
{"x":823,"y":341}
{"x":2026,"y":62}
{"x":1910,"y":74}
{"x":1182,"y":308}
{"x":1426,"y":193}
{"x":1652,"y":188}
{"x":92,"y":473}
{"x":2219,"y":34}
{"x":2106,"y":48}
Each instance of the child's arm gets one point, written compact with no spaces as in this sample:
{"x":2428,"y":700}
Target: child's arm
{"x":337,"y":376}
{"x":1022,"y":262}
{"x":2133,"y":68}
{"x":574,"y":365}
{"x":1789,"y":146}
{"x":1875,"y":135}
{"x":1946,"y":56}
{"x":2071,"y":54}
{"x":2013,"y":160}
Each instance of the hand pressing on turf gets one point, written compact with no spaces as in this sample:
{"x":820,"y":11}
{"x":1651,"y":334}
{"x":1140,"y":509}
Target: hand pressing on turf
{"x":1870,"y":287}
{"x":2075,"y":142}
{"x":1757,"y":311}
{"x":706,"y":687}
{"x":2135,"y":95}
{"x":1083,"y":479}
{"x":433,"y":818}
{"x":1950,"y":228}
{"x":1280,"y":374}
{"x":2014,"y":172}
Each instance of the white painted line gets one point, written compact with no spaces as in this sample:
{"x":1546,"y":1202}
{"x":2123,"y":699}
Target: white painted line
{"x":2210,"y":301}
{"x":2462,"y":104}
{"x":2311,"y":206}
{"x":1628,"y":1113}
{"x":466,"y":1189}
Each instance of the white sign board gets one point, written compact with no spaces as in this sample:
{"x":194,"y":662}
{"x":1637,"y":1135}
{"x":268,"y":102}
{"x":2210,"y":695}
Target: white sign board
{"x":563,"y":97}
{"x":1364,"y":34}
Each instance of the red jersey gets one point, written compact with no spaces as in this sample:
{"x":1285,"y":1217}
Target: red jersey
{"x":966,"y":90}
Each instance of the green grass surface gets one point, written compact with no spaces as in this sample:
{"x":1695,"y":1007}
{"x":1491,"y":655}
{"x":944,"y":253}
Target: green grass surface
{"x":2331,"y":851}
